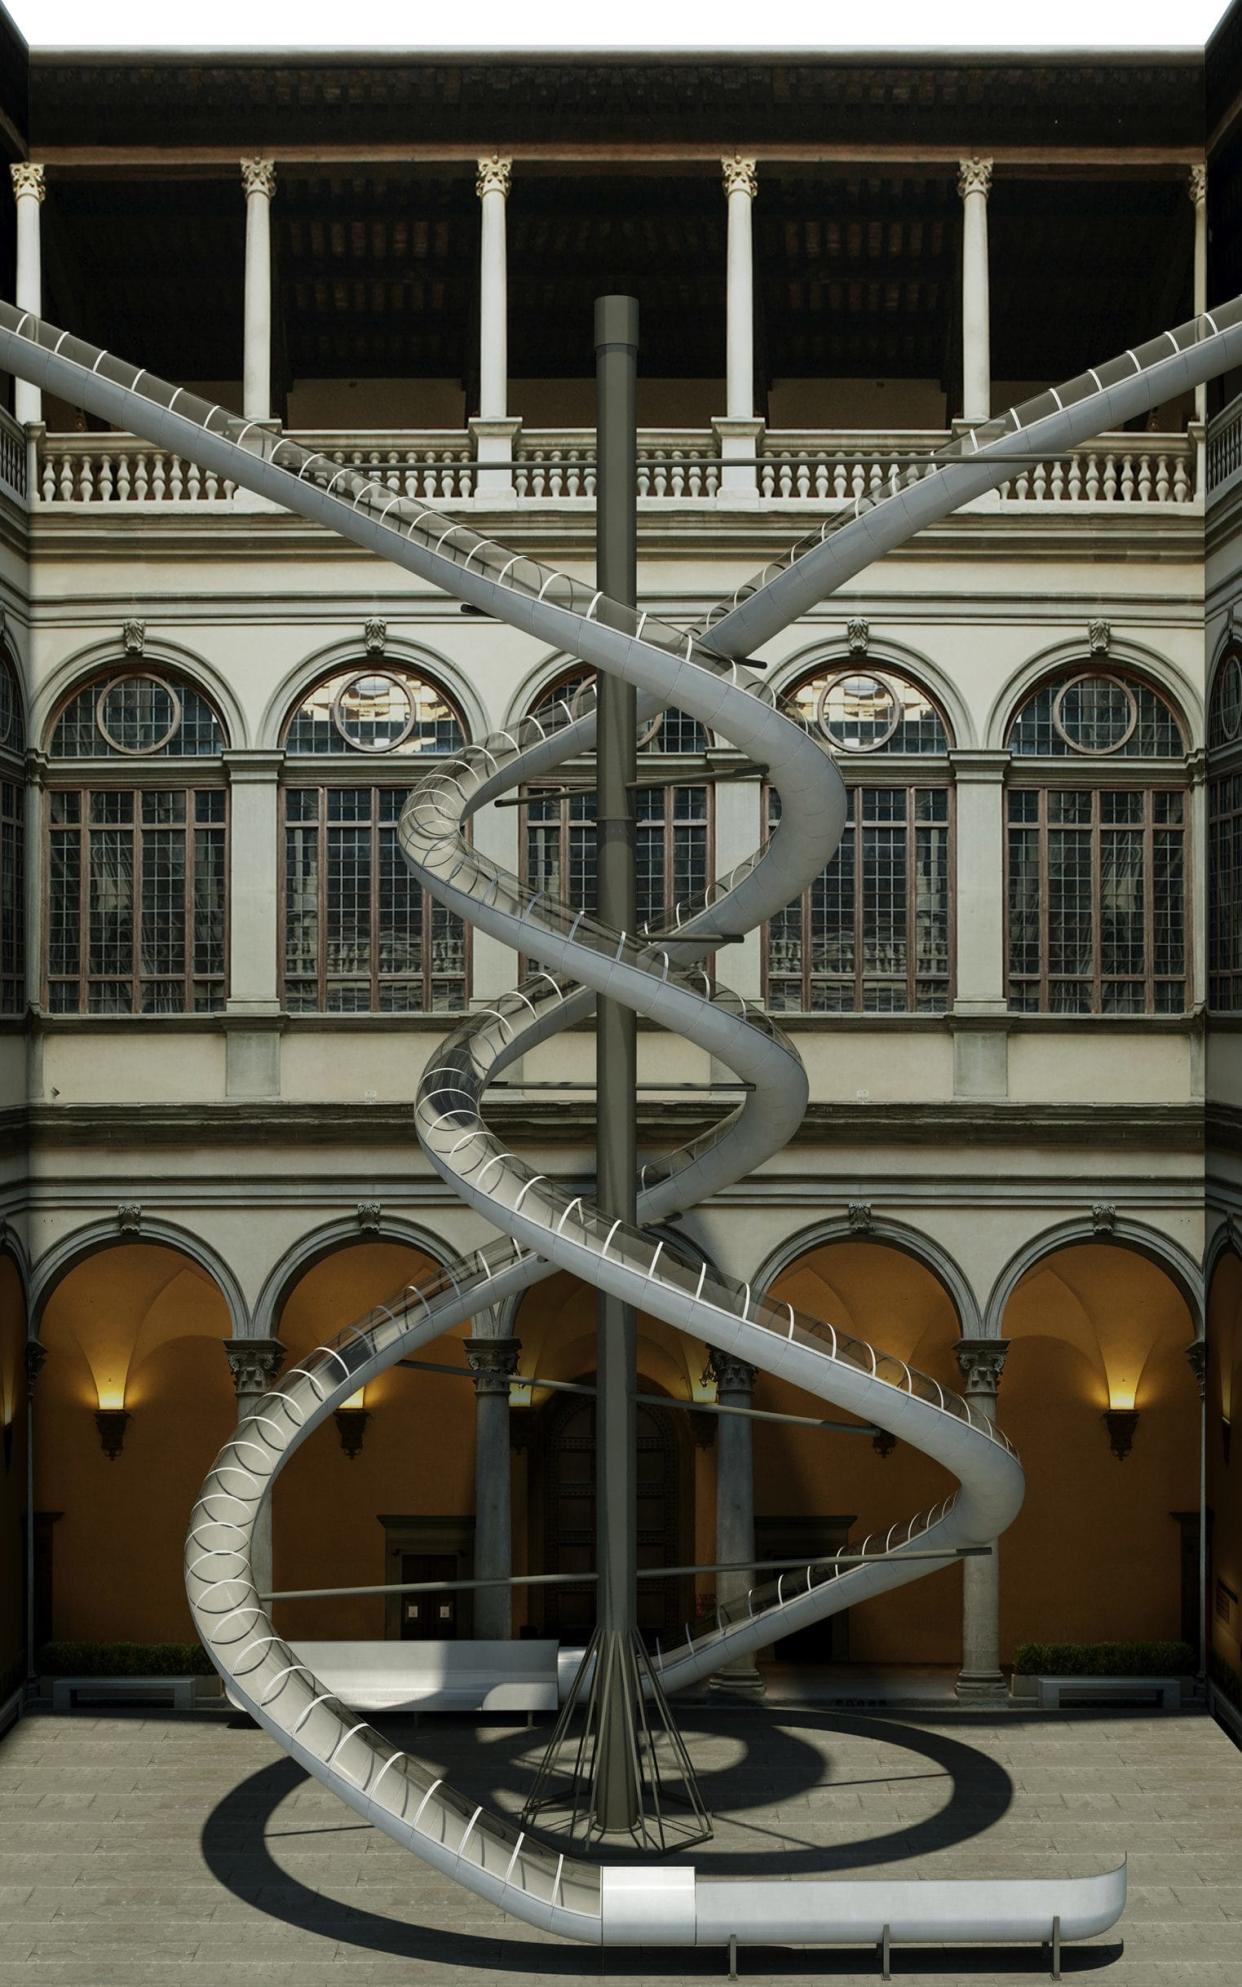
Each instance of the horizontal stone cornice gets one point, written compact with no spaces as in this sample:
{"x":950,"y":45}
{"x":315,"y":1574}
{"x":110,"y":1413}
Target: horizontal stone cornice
{"x":1165,"y":1127}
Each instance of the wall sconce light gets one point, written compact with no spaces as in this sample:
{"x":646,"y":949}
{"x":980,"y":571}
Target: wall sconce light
{"x":1121,"y":1423}
{"x":111,"y":1421}
{"x":883,"y":1443}
{"x":351,"y":1419}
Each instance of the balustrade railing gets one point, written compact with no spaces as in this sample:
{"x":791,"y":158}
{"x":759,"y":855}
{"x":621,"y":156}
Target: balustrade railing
{"x":681,"y":465}
{"x":12,"y":457}
{"x":1224,"y":445}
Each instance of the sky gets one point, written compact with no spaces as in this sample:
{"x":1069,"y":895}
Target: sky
{"x":636,"y":24}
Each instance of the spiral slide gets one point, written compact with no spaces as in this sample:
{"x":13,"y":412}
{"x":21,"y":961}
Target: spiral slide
{"x":543,"y":1227}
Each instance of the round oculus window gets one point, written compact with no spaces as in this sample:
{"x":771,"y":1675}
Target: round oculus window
{"x":374,"y":712}
{"x":1095,"y":714}
{"x":858,"y":712}
{"x":1229,"y":697}
{"x":137,"y":714}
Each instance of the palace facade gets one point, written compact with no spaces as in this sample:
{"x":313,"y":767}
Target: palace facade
{"x":1016,"y":985}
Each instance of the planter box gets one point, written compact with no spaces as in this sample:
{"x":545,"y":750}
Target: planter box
{"x":181,"y":1693}
{"x":1050,"y":1693}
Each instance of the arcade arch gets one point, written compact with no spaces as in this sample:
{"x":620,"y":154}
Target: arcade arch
{"x":1105,"y":1547}
{"x":137,"y":1329}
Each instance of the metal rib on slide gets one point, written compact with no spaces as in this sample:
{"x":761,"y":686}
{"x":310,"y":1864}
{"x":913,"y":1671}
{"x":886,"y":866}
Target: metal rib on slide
{"x":544,"y":1227}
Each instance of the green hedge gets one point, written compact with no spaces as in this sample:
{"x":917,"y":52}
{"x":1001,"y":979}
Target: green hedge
{"x":1105,"y":1659}
{"x":123,"y":1659}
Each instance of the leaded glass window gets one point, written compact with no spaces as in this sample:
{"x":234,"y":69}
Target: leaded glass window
{"x":1224,"y":795}
{"x":375,"y":708}
{"x":1097,"y":900}
{"x":672,"y":832}
{"x":672,"y":731}
{"x":12,"y":844}
{"x":1096,"y":874}
{"x":361,"y":934}
{"x":139,"y":713}
{"x":1094,"y":713}
{"x":864,"y":710}
{"x":137,"y":900}
{"x":872,"y":934}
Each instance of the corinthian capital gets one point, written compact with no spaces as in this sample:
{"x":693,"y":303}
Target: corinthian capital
{"x":254,"y":1362}
{"x":731,"y":1374}
{"x":982,"y":1361}
{"x":974,"y":175}
{"x":739,"y":175}
{"x":27,"y":180}
{"x":493,"y":1361}
{"x":259,"y":176}
{"x":1197,"y":185}
{"x":494,"y":176}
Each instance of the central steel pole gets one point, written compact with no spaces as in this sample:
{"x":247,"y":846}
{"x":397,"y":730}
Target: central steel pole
{"x":618,"y":1794}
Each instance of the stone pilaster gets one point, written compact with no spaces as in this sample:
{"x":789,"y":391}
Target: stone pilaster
{"x":735,"y":1504}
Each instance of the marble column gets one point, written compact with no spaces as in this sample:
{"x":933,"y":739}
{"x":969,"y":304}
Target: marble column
{"x":254,"y":1364}
{"x":981,"y":1679}
{"x":259,"y":182}
{"x":28,"y":192}
{"x":493,"y":1361}
{"x":739,"y":432}
{"x":974,"y":182}
{"x":493,"y":430}
{"x":1197,"y":189}
{"x":735,"y":1504}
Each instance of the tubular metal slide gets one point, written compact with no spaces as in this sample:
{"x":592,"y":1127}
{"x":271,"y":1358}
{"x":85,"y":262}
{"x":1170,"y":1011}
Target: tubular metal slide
{"x":544,"y":1227}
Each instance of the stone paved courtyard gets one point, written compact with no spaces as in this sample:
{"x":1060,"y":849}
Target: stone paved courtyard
{"x":164,"y":1850}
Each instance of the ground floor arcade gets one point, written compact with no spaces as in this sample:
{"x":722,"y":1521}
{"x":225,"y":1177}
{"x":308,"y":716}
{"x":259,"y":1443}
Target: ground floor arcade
{"x":138,"y":1332}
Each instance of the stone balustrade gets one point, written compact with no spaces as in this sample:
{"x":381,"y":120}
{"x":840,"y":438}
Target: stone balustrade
{"x":1224,"y":445}
{"x":12,"y":458}
{"x":820,"y":469}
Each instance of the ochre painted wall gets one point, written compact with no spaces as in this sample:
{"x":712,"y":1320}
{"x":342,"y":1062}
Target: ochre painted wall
{"x":12,"y":1476}
{"x":1224,"y":1469}
{"x":144,"y":1324}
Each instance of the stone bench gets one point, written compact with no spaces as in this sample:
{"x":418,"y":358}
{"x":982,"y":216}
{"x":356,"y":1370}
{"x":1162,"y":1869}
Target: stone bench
{"x":1050,"y":1693}
{"x":75,"y":1693}
{"x":437,"y":1676}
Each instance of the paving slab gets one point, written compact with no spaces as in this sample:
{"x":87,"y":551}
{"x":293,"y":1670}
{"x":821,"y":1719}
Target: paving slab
{"x":187,"y":1851}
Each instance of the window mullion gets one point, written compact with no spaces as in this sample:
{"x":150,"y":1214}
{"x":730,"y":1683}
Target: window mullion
{"x":912,"y":912}
{"x":374,"y":907}
{"x":1149,"y":902}
{"x":860,"y":909}
{"x":321,"y":896}
{"x":1097,"y":902}
{"x":1045,"y":905}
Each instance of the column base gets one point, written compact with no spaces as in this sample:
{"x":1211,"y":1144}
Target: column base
{"x":494,"y":443}
{"x":739,"y":480}
{"x":744,"y":1682}
{"x":981,"y":1687}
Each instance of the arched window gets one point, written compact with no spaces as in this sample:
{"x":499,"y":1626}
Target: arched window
{"x":137,"y":855}
{"x":872,"y":934}
{"x":12,"y":842}
{"x":1225,"y":837}
{"x":361,"y":935}
{"x":1096,"y":849}
{"x":673,"y":821}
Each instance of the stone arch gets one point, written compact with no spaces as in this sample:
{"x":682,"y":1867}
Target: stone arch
{"x":1120,"y":1231}
{"x":882,"y":652}
{"x":882,"y":1229}
{"x":1133,"y":658}
{"x":533,"y":684}
{"x":320,"y":1243}
{"x":73,"y":1249}
{"x":74,"y":672}
{"x":347,"y":651}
